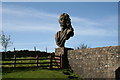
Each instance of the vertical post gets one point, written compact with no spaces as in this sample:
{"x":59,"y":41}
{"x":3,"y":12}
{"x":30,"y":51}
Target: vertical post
{"x":37,"y":58}
{"x":51,"y":61}
{"x":60,"y":60}
{"x":34,"y":48}
{"x":14,"y":58}
{"x":46,"y":49}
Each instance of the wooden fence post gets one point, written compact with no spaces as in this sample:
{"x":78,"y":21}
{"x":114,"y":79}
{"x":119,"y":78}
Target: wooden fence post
{"x":14,"y":58}
{"x":37,"y":58}
{"x":46,"y":49}
{"x":34,"y":48}
{"x":60,"y":60}
{"x":51,"y":57}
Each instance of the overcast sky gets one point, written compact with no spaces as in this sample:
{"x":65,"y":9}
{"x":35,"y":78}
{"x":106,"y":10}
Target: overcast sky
{"x":36,"y":23}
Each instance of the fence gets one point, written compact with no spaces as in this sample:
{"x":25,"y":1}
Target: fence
{"x":52,"y":61}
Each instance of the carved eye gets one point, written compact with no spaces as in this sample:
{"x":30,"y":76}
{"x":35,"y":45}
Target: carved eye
{"x":61,"y":19}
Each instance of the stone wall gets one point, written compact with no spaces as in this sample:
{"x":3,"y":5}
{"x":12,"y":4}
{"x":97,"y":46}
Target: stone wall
{"x":95,"y":62}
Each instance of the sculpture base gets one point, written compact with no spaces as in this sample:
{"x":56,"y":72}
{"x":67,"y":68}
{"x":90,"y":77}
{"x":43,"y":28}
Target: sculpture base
{"x":63,"y":51}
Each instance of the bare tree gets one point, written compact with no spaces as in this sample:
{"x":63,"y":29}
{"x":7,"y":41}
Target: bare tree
{"x":5,"y":41}
{"x":83,"y":46}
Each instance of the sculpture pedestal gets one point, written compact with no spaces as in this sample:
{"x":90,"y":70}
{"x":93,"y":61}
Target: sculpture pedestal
{"x":63,"y":51}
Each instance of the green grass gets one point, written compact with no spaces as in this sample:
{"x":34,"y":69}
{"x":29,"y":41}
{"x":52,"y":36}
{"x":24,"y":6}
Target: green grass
{"x":35,"y":73}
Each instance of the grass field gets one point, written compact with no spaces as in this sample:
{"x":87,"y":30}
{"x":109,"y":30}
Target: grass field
{"x":23,"y":72}
{"x":38,"y":73}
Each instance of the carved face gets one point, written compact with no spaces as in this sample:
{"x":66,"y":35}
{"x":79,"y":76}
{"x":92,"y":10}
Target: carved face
{"x":64,"y":19}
